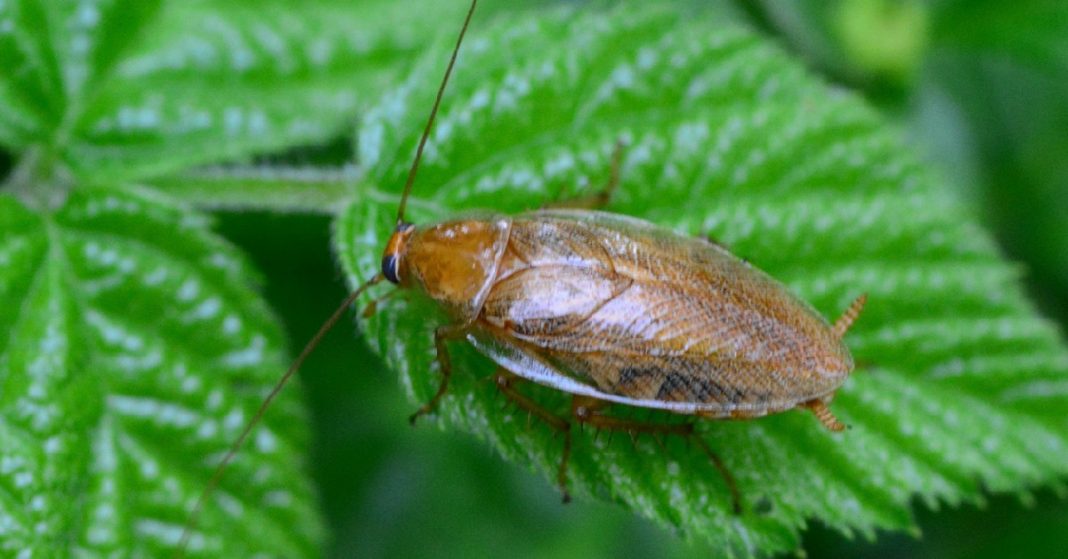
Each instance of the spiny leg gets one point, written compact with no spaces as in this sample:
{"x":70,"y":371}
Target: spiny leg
{"x":372,"y":307}
{"x":588,"y":411}
{"x":598,"y":199}
{"x":442,"y":335}
{"x":504,"y":381}
{"x":823,"y":413}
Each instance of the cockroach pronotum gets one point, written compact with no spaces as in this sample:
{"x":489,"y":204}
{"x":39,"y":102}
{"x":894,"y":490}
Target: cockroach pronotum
{"x":611,"y":310}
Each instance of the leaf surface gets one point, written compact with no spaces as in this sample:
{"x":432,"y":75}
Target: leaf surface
{"x":961,"y":384}
{"x":29,"y":84}
{"x":122,"y":89}
{"x":213,"y":84}
{"x":133,"y":349}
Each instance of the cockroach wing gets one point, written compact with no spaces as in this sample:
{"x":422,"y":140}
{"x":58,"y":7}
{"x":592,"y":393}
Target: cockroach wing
{"x":527,"y":363}
{"x":640,"y":315}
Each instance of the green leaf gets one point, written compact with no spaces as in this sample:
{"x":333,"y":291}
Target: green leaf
{"x":877,"y":45}
{"x":86,"y":38}
{"x":213,"y":84}
{"x":240,"y":78}
{"x":961,"y":386}
{"x":122,"y":89}
{"x":1004,"y":73}
{"x":55,"y":51}
{"x":129,"y":89}
{"x":133,"y":349}
{"x":29,"y":84}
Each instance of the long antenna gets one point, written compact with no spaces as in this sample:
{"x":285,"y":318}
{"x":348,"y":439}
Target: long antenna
{"x":190,"y":525}
{"x":194,"y":514}
{"x":433,"y":114}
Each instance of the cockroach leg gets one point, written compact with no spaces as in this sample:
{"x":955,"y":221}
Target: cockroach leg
{"x":441,"y":336}
{"x":736,"y":496}
{"x":372,"y":307}
{"x":602,"y":197}
{"x":823,"y":413}
{"x":504,"y":381}
{"x":588,"y":411}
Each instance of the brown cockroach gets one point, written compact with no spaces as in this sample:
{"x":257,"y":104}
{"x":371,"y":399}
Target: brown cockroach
{"x":611,"y":310}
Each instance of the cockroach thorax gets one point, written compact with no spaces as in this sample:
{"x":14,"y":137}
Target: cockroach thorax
{"x":454,"y":262}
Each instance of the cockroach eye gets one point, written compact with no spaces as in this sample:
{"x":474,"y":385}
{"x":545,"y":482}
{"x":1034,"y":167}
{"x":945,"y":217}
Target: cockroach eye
{"x":389,"y":268}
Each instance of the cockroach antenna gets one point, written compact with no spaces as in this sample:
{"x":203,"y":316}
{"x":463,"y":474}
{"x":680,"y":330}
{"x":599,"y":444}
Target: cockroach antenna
{"x":191,"y":522}
{"x":433,"y":114}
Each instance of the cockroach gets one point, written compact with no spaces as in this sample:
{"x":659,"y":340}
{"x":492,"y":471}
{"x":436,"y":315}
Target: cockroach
{"x":610,"y":309}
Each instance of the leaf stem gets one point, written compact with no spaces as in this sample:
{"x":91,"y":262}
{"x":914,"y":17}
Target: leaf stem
{"x":315,"y":190}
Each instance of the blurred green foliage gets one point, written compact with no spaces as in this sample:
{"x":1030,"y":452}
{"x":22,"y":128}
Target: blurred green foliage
{"x":981,"y":85}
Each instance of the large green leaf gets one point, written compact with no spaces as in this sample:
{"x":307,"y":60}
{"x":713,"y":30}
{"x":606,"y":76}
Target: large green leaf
{"x":53,"y":52}
{"x":364,"y":47}
{"x":132,"y":351}
{"x":213,"y":84}
{"x":961,"y":386}
{"x":221,"y":80}
{"x":122,"y":89}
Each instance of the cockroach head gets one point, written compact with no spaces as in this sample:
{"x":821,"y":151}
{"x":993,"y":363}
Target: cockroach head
{"x":392,"y":259}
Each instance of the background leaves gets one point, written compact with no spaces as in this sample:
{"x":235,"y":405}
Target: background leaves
{"x":983,"y":98}
{"x":135,"y":353}
{"x":726,"y":135}
{"x":135,"y":346}
{"x":1010,"y":73}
